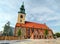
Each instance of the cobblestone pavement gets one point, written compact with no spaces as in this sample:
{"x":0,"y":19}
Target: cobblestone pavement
{"x":32,"y":41}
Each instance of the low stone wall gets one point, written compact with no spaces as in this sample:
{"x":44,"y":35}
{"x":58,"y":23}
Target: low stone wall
{"x":9,"y":37}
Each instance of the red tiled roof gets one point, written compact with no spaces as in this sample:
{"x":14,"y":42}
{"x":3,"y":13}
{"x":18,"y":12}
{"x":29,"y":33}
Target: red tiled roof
{"x":32,"y":25}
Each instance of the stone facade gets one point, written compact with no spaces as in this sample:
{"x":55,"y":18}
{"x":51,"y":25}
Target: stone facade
{"x":31,"y":33}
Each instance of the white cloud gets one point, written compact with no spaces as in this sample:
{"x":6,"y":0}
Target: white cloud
{"x":5,"y":16}
{"x":57,"y":23}
{"x":52,"y":18}
{"x":41,"y":10}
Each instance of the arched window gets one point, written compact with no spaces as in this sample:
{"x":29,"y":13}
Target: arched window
{"x":34,"y":36}
{"x":40,"y":37}
{"x":21,"y":16}
{"x":28,"y":31}
{"x":50,"y":36}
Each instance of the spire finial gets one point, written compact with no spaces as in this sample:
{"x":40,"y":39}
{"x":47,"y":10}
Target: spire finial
{"x":22,"y":9}
{"x":23,"y":3}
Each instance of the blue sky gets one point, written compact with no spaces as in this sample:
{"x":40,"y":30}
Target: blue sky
{"x":39,"y":11}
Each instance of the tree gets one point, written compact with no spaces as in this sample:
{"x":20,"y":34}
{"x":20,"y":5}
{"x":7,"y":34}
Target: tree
{"x":19,"y":33}
{"x":46,"y":33}
{"x":7,"y":29}
{"x":57,"y":34}
{"x":10,"y":32}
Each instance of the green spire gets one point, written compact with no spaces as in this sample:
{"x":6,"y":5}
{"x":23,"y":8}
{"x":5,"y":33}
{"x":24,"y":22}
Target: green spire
{"x":22,"y":9}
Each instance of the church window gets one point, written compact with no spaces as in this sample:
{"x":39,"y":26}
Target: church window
{"x":50,"y":36}
{"x":21,"y":16}
{"x":40,"y":37}
{"x":29,"y":31}
{"x":37,"y":36}
{"x":34,"y":36}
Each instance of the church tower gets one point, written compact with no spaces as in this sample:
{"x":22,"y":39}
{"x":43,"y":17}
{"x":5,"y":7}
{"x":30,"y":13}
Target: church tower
{"x":21,"y":15}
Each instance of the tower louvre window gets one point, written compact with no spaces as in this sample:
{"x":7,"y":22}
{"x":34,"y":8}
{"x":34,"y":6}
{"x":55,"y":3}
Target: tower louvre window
{"x":21,"y":16}
{"x":20,"y":20}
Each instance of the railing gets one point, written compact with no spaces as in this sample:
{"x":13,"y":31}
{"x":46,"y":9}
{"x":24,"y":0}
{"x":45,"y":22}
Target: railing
{"x":9,"y":37}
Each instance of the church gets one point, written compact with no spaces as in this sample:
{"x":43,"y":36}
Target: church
{"x":31,"y":30}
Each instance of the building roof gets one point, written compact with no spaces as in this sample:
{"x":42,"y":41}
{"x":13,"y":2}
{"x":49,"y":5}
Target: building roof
{"x":32,"y":25}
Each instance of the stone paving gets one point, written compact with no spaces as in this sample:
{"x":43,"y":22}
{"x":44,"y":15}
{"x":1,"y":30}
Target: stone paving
{"x":36,"y":41}
{"x":32,"y":41}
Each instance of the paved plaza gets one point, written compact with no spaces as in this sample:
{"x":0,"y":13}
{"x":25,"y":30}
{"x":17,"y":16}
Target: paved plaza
{"x":32,"y":41}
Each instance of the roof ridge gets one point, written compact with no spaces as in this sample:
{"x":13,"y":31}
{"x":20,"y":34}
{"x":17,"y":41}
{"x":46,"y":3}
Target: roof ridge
{"x":34,"y":22}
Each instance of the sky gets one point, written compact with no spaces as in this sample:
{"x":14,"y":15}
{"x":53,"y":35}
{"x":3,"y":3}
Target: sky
{"x":39,"y":11}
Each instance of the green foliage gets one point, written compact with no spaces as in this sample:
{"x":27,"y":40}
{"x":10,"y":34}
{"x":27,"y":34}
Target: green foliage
{"x":7,"y":29}
{"x":46,"y":33}
{"x":19,"y":32}
{"x":57,"y":34}
{"x":10,"y":32}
